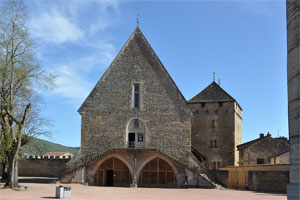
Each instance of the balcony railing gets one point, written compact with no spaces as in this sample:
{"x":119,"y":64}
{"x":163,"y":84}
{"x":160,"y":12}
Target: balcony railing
{"x":135,"y":145}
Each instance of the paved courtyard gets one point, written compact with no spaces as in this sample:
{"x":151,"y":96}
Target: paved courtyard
{"x":44,"y":190}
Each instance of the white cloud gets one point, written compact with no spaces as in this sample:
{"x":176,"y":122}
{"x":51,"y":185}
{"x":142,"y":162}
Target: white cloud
{"x":70,"y":84}
{"x":54,"y":27}
{"x":72,"y":36}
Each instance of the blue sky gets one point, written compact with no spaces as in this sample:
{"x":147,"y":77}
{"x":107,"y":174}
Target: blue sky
{"x":244,"y":42}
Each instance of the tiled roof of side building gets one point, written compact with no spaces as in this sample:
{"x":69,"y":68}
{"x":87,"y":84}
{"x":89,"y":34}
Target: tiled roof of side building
{"x":212,"y":93}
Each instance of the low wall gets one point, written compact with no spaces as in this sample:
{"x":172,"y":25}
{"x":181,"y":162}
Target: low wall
{"x":268,"y":181}
{"x":220,"y":177}
{"x":41,"y":166}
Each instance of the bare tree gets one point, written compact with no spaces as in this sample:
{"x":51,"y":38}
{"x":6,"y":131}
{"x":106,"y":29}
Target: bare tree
{"x":20,"y":74}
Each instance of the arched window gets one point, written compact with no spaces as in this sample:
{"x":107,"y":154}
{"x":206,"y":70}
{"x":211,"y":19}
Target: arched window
{"x":158,"y":173}
{"x":136,"y":134}
{"x":113,"y":172}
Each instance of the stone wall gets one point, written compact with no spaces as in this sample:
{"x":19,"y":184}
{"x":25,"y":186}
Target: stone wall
{"x":41,"y":166}
{"x":268,"y":181}
{"x":109,"y":108}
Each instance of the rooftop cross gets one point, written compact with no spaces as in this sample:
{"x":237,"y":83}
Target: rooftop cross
{"x":137,"y":17}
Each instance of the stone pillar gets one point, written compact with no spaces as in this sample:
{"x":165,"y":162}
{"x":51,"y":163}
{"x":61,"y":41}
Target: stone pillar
{"x":293,"y":70}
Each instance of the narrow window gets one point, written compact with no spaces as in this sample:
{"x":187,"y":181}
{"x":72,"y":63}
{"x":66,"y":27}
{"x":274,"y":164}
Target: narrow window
{"x":136,"y":124}
{"x":136,"y":95}
{"x":260,"y":161}
{"x":202,"y":105}
{"x":213,"y":143}
{"x":212,"y":124}
{"x":140,"y":137}
{"x":220,"y":104}
{"x":216,"y":165}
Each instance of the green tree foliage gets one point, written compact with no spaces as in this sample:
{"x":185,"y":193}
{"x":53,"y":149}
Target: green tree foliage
{"x":20,"y":75}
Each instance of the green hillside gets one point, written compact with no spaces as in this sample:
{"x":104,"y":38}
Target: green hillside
{"x":39,"y":147}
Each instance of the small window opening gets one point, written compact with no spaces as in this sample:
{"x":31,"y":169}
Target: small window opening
{"x":137,"y":96}
{"x":216,"y":111}
{"x":260,"y":161}
{"x":197,"y":112}
{"x":206,"y":111}
{"x":220,"y":104}
{"x":202,"y":105}
{"x":136,"y":123}
{"x":212,"y":124}
{"x":140,"y":137}
{"x":213,"y":143}
{"x":216,"y":165}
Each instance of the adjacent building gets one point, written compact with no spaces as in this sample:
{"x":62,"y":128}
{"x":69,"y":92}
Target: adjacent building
{"x":264,"y":150}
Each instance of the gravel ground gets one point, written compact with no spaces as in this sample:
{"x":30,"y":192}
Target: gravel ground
{"x":47,"y":191}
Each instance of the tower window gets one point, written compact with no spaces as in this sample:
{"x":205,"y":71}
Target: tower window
{"x":136,"y":96}
{"x":136,"y":123}
{"x":202,"y":105}
{"x":220,"y":104}
{"x":212,"y":124}
{"x":213,"y":143}
{"x":216,"y":165}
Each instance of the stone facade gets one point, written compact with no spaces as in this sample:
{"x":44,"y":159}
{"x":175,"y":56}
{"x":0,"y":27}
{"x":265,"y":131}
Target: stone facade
{"x":216,"y":127}
{"x":282,"y":158}
{"x":261,"y":150}
{"x":135,"y":119}
{"x":293,"y":79}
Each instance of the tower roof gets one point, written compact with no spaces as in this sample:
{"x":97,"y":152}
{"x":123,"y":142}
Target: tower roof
{"x":212,"y":93}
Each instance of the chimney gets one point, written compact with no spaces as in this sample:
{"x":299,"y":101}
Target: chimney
{"x":268,"y":135}
{"x":261,"y":135}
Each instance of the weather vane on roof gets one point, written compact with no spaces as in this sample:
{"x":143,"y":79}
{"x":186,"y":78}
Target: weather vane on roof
{"x":137,"y":17}
{"x":214,"y":76}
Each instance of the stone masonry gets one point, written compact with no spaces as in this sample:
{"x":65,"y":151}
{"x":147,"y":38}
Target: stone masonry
{"x":293,"y":71}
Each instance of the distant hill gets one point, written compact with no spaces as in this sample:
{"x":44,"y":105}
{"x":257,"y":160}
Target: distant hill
{"x":39,"y":147}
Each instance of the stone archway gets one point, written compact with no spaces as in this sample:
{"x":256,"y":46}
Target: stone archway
{"x":157,"y":173}
{"x":112,"y":172}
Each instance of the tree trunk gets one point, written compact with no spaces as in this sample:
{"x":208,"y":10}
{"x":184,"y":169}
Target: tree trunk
{"x":4,"y":170}
{"x":12,"y":172}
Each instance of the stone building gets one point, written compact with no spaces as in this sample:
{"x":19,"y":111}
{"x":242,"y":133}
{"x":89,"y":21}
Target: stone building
{"x":136,"y":126}
{"x":262,"y":150}
{"x":216,"y":126}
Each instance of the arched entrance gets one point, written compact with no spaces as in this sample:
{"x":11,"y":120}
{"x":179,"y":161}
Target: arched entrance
{"x":113,"y":172}
{"x":135,"y":134}
{"x":157,"y":173}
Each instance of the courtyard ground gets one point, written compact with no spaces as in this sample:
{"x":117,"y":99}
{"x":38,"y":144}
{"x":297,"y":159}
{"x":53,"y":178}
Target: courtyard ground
{"x":42,"y":189}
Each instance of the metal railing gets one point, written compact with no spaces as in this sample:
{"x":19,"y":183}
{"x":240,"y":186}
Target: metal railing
{"x":135,"y":145}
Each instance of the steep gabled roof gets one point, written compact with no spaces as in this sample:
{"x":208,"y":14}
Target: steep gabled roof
{"x":139,"y":39}
{"x":212,"y":93}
